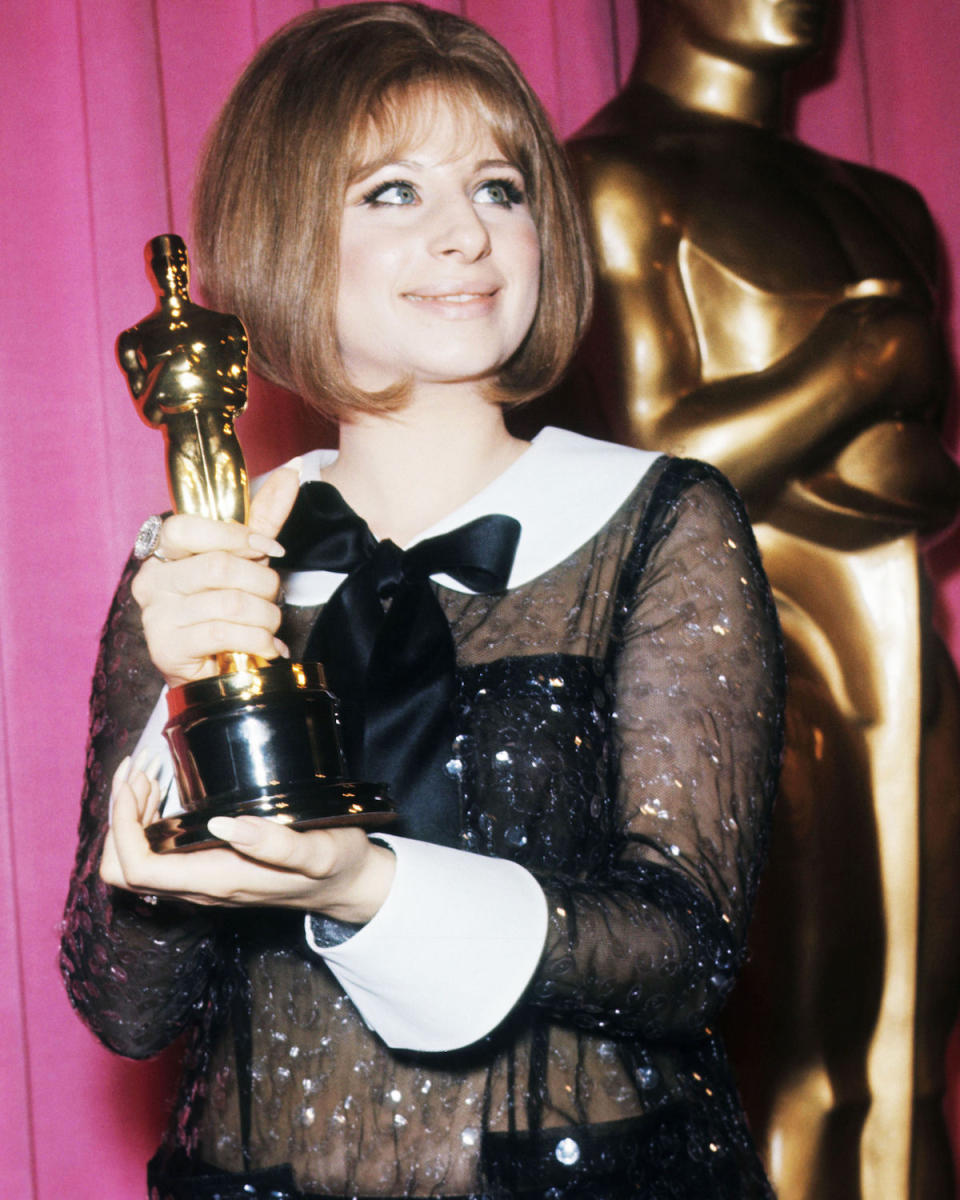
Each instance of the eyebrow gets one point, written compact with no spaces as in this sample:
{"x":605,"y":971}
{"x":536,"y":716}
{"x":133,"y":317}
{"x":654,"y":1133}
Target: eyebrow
{"x":497,"y":162}
{"x":365,"y":170}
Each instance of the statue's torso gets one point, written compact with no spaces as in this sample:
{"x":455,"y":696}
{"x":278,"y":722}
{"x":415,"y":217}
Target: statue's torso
{"x":780,"y":221}
{"x":191,"y":358}
{"x":765,"y":237}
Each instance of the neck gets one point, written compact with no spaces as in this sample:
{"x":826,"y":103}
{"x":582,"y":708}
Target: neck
{"x":697,"y":78}
{"x":404,"y":471}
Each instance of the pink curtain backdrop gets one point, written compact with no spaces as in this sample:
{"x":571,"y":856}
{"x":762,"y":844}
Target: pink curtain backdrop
{"x":105,"y":103}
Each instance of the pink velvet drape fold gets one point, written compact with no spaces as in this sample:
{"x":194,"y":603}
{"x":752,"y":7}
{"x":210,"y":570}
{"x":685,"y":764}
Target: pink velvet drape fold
{"x":105,"y":104}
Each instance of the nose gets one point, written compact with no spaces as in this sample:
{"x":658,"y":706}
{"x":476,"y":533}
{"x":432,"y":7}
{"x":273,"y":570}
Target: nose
{"x":459,"y":231}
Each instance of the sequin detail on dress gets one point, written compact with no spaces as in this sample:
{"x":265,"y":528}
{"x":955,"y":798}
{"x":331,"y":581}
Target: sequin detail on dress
{"x":618,"y":734}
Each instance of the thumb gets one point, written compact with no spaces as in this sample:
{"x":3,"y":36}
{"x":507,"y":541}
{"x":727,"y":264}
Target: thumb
{"x":271,"y":506}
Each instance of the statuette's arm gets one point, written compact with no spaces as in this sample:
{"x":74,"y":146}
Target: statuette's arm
{"x":873,"y":356}
{"x":130,"y":362}
{"x":868,"y":359}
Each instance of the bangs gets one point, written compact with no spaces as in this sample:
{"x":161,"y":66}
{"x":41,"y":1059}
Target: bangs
{"x":401,"y":119}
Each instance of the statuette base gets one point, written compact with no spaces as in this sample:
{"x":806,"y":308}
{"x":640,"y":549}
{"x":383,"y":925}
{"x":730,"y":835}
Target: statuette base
{"x":261,"y":741}
{"x":325,"y":807}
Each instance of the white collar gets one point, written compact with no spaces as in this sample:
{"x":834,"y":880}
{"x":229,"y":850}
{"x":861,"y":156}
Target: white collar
{"x":562,"y":491}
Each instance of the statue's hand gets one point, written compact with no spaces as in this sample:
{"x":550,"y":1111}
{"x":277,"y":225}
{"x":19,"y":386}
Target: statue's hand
{"x":177,"y":381}
{"x":895,"y":357}
{"x":129,"y":359}
{"x":873,"y":287}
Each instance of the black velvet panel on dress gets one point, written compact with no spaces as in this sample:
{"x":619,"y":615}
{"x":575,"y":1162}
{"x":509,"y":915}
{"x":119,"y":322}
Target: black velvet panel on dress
{"x":619,"y":732}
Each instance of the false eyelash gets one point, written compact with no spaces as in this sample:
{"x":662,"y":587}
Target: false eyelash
{"x":511,"y":191}
{"x":379,"y":188}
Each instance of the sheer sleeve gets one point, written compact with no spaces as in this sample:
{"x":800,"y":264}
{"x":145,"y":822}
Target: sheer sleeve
{"x":134,"y":971}
{"x":651,"y":941}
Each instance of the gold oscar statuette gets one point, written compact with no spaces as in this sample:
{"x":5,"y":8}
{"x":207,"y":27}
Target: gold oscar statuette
{"x":258,"y":738}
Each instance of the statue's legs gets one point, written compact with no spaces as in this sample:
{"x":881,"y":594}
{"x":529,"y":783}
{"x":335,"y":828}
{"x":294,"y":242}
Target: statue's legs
{"x":938,"y":973}
{"x":205,"y":467}
{"x":799,"y":1022}
{"x":839,"y":1028}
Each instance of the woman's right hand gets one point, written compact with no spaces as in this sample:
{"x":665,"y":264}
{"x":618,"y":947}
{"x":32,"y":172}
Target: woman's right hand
{"x":214,"y":589}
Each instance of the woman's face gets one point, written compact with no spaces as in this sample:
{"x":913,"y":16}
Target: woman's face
{"x":439,"y":261}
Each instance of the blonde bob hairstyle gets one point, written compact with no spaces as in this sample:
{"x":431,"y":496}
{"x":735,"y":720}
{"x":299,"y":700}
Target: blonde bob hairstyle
{"x":328,"y":96}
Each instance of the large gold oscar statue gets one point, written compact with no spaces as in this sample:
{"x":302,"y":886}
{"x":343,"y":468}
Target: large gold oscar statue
{"x":772,"y":310}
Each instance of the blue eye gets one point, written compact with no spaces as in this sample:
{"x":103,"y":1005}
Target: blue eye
{"x":499,"y":191}
{"x":393,"y":191}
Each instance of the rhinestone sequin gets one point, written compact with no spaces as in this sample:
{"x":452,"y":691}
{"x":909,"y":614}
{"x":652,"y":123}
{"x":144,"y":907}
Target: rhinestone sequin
{"x":567,"y":1152}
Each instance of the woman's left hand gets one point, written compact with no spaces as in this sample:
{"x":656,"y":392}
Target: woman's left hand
{"x":339,"y":872}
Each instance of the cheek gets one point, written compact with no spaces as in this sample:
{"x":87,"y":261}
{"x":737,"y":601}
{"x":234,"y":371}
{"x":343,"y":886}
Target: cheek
{"x":355,"y":269}
{"x":528,"y":261}
{"x":354,"y":298}
{"x":349,"y":274}
{"x":368,"y":262}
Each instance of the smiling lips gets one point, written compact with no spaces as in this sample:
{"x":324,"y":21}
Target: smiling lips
{"x":456,"y":303}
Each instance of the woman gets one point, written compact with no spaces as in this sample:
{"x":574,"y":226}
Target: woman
{"x":513,"y":995}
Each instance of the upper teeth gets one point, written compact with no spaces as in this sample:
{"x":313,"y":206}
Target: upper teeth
{"x":456,"y":297}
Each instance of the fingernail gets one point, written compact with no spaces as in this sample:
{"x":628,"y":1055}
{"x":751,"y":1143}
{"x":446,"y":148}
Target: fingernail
{"x":140,"y":761}
{"x":152,"y":769}
{"x":122,"y":773}
{"x":237,"y":830}
{"x":282,"y":649}
{"x":265,"y":545}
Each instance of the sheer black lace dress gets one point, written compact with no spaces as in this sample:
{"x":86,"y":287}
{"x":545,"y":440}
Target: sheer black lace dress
{"x":619,"y":735}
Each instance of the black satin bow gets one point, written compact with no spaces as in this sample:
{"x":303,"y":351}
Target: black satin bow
{"x":386,"y":646}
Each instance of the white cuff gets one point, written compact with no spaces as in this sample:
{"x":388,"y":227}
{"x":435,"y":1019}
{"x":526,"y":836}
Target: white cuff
{"x":154,"y":744}
{"x":450,"y":952}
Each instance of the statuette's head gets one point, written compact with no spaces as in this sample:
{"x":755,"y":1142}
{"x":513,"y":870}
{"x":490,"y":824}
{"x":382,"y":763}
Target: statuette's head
{"x":167,"y":258}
